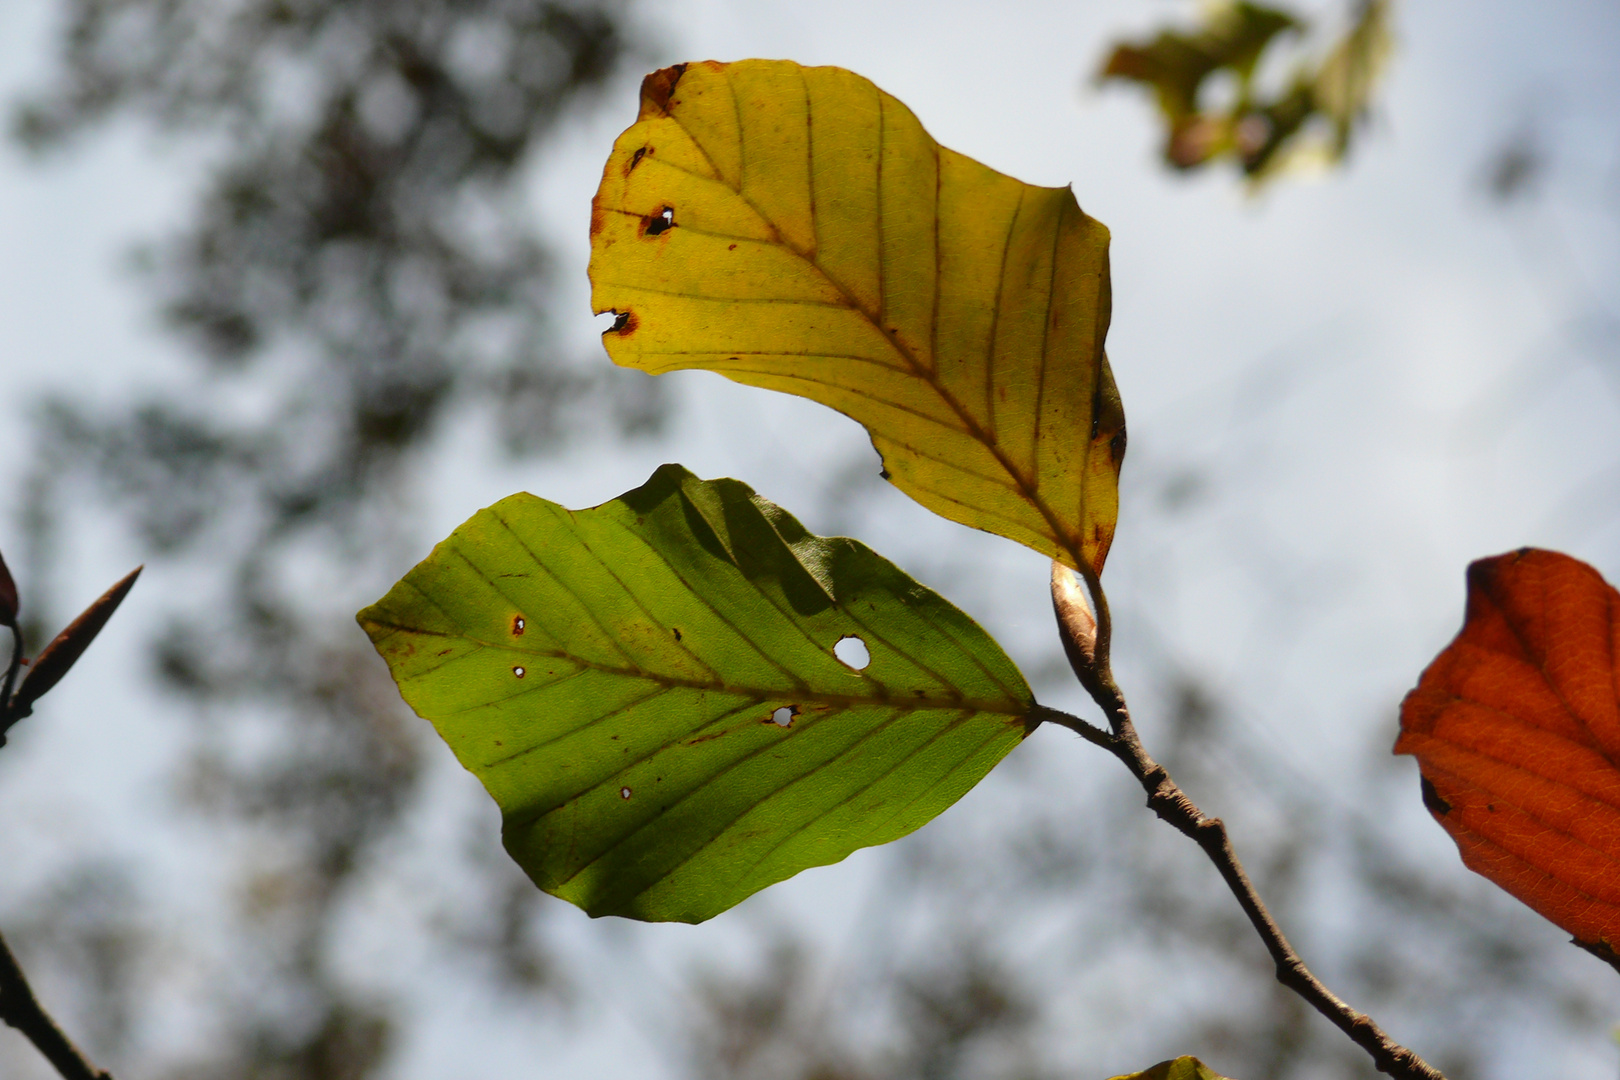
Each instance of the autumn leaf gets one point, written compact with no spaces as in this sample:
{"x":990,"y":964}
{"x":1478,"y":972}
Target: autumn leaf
{"x":796,"y":228}
{"x":1516,"y":728}
{"x":1181,"y":1068}
{"x":680,"y":696}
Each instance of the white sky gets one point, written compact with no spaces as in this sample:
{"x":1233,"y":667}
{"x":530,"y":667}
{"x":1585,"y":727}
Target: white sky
{"x":1369,"y":373}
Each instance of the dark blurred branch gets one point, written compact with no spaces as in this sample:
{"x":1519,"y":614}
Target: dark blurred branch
{"x":21,"y":1009}
{"x":11,"y":678}
{"x":1086,"y":649}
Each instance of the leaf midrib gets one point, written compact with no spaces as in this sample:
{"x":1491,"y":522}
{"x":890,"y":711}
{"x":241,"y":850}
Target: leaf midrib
{"x":930,"y":700}
{"x":1026,"y":487}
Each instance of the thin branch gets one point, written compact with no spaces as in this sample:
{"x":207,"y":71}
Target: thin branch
{"x":1085,"y":642}
{"x":20,"y":1009}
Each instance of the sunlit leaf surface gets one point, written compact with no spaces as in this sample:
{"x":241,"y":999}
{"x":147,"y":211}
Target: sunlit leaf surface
{"x":796,"y":228}
{"x":1516,"y":727}
{"x":680,"y":696}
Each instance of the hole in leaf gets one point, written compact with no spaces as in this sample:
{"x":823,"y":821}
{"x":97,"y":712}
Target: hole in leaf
{"x":517,"y":626}
{"x":853,"y":652}
{"x":661,"y":222}
{"x":624,"y":322}
{"x":783,"y":717}
{"x":624,"y":793}
{"x":519,"y":672}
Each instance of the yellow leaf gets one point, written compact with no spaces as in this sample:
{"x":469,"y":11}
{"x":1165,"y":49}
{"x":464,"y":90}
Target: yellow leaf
{"x":797,"y":229}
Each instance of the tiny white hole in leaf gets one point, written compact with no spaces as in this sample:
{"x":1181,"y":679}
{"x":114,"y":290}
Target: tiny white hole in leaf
{"x":624,"y":793}
{"x":853,"y":652}
{"x":519,"y":672}
{"x":783,"y":717}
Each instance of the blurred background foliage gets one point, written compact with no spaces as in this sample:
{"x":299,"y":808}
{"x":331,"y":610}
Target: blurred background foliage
{"x":358,"y":275}
{"x":1241,"y":86}
{"x":357,"y":264}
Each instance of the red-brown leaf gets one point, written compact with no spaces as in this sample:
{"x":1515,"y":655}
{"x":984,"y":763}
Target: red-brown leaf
{"x":1516,"y":728}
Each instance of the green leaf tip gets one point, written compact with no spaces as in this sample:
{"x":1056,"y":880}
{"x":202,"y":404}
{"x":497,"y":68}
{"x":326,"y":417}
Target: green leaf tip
{"x":649,"y":689}
{"x":1181,"y":1068}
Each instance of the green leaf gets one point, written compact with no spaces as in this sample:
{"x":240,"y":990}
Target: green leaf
{"x":1182,"y":1068}
{"x":797,"y":229}
{"x":650,"y":692}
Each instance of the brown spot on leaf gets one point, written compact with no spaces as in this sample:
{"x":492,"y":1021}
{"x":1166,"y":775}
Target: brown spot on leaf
{"x":657,"y":88}
{"x":677,"y":631}
{"x":635,"y":159}
{"x":625,"y":324}
{"x":518,"y":625}
{"x":1431,"y":798}
{"x":733,"y":247}
{"x":1116,"y":447}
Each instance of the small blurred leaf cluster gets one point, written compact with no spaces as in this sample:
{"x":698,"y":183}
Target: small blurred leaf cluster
{"x":1312,"y":115}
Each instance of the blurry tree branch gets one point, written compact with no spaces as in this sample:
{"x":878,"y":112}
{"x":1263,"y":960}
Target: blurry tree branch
{"x":22,"y":1010}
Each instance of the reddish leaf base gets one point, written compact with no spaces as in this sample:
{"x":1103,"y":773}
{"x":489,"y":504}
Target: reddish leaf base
{"x":1516,"y":728}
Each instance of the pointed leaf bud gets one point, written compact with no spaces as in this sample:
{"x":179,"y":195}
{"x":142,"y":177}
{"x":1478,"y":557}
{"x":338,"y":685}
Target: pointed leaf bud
{"x":1077,"y":625}
{"x":61,"y":654}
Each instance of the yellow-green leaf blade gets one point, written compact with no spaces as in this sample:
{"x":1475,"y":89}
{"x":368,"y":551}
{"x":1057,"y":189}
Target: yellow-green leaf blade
{"x":650,"y":692}
{"x":797,"y":229}
{"x":1181,"y":1068}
